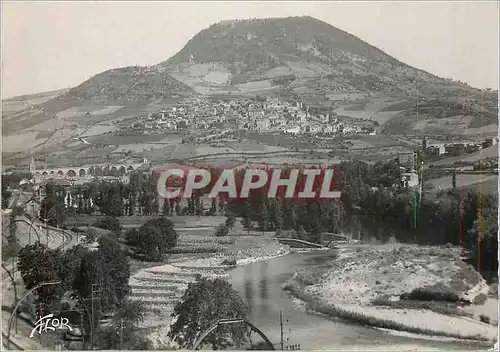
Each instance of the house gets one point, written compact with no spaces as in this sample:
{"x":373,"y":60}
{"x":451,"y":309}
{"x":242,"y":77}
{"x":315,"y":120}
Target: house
{"x":490,"y":142}
{"x":409,"y":179}
{"x":262,"y":124}
{"x":292,"y":130}
{"x":436,"y":149}
{"x":455,"y":149}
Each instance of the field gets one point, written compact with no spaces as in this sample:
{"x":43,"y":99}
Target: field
{"x":83,"y":111}
{"x":98,"y":130}
{"x":485,"y":187}
{"x":465,"y":180}
{"x":490,"y":152}
{"x":17,"y":143}
{"x":362,"y":109}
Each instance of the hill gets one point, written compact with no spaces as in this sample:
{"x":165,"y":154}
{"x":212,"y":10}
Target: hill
{"x":129,"y":83}
{"x":307,"y":58}
{"x":296,"y":58}
{"x":293,"y":47}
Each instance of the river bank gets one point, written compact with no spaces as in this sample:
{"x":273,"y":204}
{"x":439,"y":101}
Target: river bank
{"x":364,"y":284}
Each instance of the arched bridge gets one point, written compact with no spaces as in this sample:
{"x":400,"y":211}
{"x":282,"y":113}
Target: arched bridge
{"x":86,"y":171}
{"x":200,"y":340}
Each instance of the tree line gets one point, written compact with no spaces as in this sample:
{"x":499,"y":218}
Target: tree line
{"x":454,"y":216}
{"x":81,"y":271}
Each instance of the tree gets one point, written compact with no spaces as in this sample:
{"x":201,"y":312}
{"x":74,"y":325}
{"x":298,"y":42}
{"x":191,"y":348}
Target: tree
{"x":37,"y":263}
{"x":123,"y":332}
{"x":482,"y":239}
{"x":230,"y":221}
{"x":52,"y":209}
{"x":167,"y":230}
{"x":110,"y":200}
{"x":69,"y":265}
{"x":6,"y":195}
{"x":204,"y":303}
{"x":150,"y":243}
{"x":166,"y":207}
{"x":118,"y":267}
{"x":247,"y":223}
{"x":222,"y":230}
{"x":154,"y":238}
{"x":110,"y":223}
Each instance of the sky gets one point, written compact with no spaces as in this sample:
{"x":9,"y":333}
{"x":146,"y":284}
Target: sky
{"x":55,"y":45}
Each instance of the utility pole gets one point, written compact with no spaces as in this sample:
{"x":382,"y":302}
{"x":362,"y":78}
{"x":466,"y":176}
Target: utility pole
{"x":121,"y":334}
{"x":96,"y":289}
{"x":281,"y":329}
{"x":421,"y":183}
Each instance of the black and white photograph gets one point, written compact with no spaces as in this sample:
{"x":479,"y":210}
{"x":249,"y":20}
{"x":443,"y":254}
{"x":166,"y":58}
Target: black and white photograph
{"x":250,"y":175}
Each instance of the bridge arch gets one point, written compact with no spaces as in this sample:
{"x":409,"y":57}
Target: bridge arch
{"x":97,"y":171}
{"x":52,"y":172}
{"x":122,"y":170}
{"x":232,"y":321}
{"x":45,"y":174}
{"x":71,"y":173}
{"x":82,"y":173}
{"x":130,"y":168}
{"x":60,"y":173}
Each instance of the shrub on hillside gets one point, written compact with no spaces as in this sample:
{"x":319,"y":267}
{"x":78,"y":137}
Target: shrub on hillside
{"x":222,"y":230}
{"x":229,"y":262}
{"x":428,"y":294}
{"x":110,"y":223}
{"x":480,"y":299}
{"x":154,"y":238}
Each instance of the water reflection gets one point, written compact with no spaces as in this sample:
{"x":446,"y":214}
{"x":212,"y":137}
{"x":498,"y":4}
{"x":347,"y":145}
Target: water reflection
{"x":264,"y":289}
{"x":248,"y":288}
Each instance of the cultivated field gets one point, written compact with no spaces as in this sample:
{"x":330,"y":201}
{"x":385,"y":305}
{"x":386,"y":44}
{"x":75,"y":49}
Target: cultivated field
{"x":463,"y":180}
{"x":83,"y":111}
{"x":490,"y":152}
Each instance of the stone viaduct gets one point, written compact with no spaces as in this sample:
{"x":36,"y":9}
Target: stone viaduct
{"x":86,"y":171}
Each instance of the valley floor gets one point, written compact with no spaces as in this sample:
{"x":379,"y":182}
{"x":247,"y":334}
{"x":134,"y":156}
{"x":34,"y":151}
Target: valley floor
{"x":364,"y":283}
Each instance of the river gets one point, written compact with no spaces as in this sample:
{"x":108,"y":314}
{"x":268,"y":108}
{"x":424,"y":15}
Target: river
{"x":259,"y":284}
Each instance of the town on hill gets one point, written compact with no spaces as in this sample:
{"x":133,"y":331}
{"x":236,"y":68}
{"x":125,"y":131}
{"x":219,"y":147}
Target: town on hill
{"x":405,"y":256}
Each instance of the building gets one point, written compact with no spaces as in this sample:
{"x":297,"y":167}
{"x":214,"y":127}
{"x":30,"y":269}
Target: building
{"x":262,"y":124}
{"x":293,"y":130}
{"x":490,"y":142}
{"x":409,"y":179}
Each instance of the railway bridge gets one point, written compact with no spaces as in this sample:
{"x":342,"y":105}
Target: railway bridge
{"x":85,"y":171}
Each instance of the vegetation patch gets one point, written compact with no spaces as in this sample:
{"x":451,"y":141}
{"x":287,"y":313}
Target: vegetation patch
{"x":437,"y":307}
{"x":296,"y":290}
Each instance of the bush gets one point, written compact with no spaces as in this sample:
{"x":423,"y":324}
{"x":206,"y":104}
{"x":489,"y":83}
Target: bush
{"x":110,"y":223}
{"x":90,"y":236}
{"x":484,"y":319}
{"x":229,"y":262}
{"x":427,"y":294}
{"x":480,"y":299}
{"x":222,"y":230}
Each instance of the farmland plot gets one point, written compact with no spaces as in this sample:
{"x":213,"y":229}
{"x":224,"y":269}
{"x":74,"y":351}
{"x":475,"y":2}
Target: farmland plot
{"x":82,"y":111}
{"x":21,"y":142}
{"x":99,"y":129}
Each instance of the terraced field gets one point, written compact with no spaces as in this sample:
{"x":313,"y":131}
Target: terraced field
{"x":160,"y":288}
